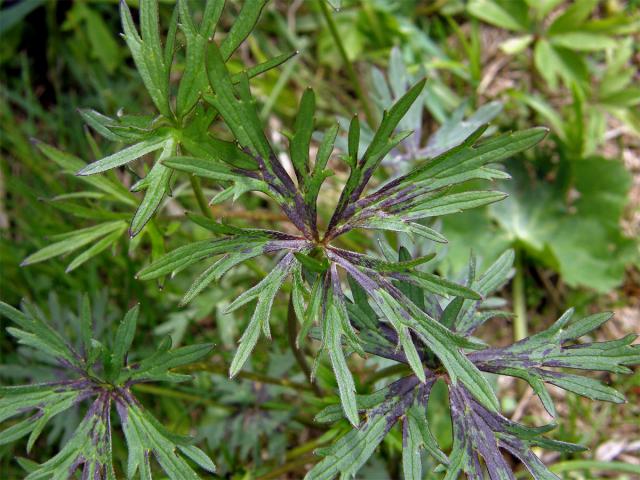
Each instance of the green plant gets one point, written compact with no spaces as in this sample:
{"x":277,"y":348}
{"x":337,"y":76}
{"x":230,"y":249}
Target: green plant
{"x":575,"y":73}
{"x":380,"y":306}
{"x":396,"y":206}
{"x":559,"y":44}
{"x":167,"y":132}
{"x":104,"y":375}
{"x":478,"y":432}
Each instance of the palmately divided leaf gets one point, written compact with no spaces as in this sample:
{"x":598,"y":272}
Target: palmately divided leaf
{"x":89,"y":447}
{"x":267,"y":290}
{"x":349,"y":453}
{"x":168,"y":132}
{"x":480,"y":433}
{"x":536,"y":358}
{"x":105,"y":233}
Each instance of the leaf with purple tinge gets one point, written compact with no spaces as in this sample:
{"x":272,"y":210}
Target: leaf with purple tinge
{"x":145,"y":436}
{"x":93,"y":456}
{"x":424,"y":191}
{"x":480,"y":433}
{"x":346,"y":456}
{"x":397,"y":205}
{"x":103,"y":376}
{"x":336,"y":323}
{"x":537,"y":358}
{"x":265,"y":291}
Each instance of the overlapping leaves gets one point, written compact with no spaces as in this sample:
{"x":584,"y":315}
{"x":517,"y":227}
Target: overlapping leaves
{"x":309,"y":256}
{"x":104,"y":376}
{"x":453,"y":131}
{"x":478,"y":431}
{"x":179,"y":126}
{"x":559,"y":46}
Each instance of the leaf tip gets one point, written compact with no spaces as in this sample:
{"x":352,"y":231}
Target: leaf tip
{"x":82,"y":172}
{"x":132,"y":232}
{"x":354,"y":421}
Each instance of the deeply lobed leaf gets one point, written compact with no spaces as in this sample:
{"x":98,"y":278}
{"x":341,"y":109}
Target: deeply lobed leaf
{"x":106,"y":383}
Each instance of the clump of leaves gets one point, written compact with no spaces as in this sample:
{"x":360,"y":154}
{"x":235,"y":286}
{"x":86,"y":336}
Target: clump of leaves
{"x":453,"y":131}
{"x":179,"y":126}
{"x":544,"y":222}
{"x":390,"y":309}
{"x":559,"y":47}
{"x":396,"y":206}
{"x":478,"y":432}
{"x":170,"y":130}
{"x":103,"y":375}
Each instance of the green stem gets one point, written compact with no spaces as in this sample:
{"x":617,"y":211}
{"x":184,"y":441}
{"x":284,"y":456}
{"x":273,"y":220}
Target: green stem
{"x":572,"y":465}
{"x":167,"y":392}
{"x":253,"y":376}
{"x":589,"y":465}
{"x":200,"y":198}
{"x":299,"y":456}
{"x":519,"y":301}
{"x":292,"y":333}
{"x":351,"y":73}
{"x":190,"y":397}
{"x":289,"y":466}
{"x":388,"y":372}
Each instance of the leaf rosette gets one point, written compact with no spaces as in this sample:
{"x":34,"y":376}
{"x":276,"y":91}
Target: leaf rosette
{"x":104,"y":376}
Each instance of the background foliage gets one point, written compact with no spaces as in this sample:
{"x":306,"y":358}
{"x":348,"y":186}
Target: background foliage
{"x":572,"y":216}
